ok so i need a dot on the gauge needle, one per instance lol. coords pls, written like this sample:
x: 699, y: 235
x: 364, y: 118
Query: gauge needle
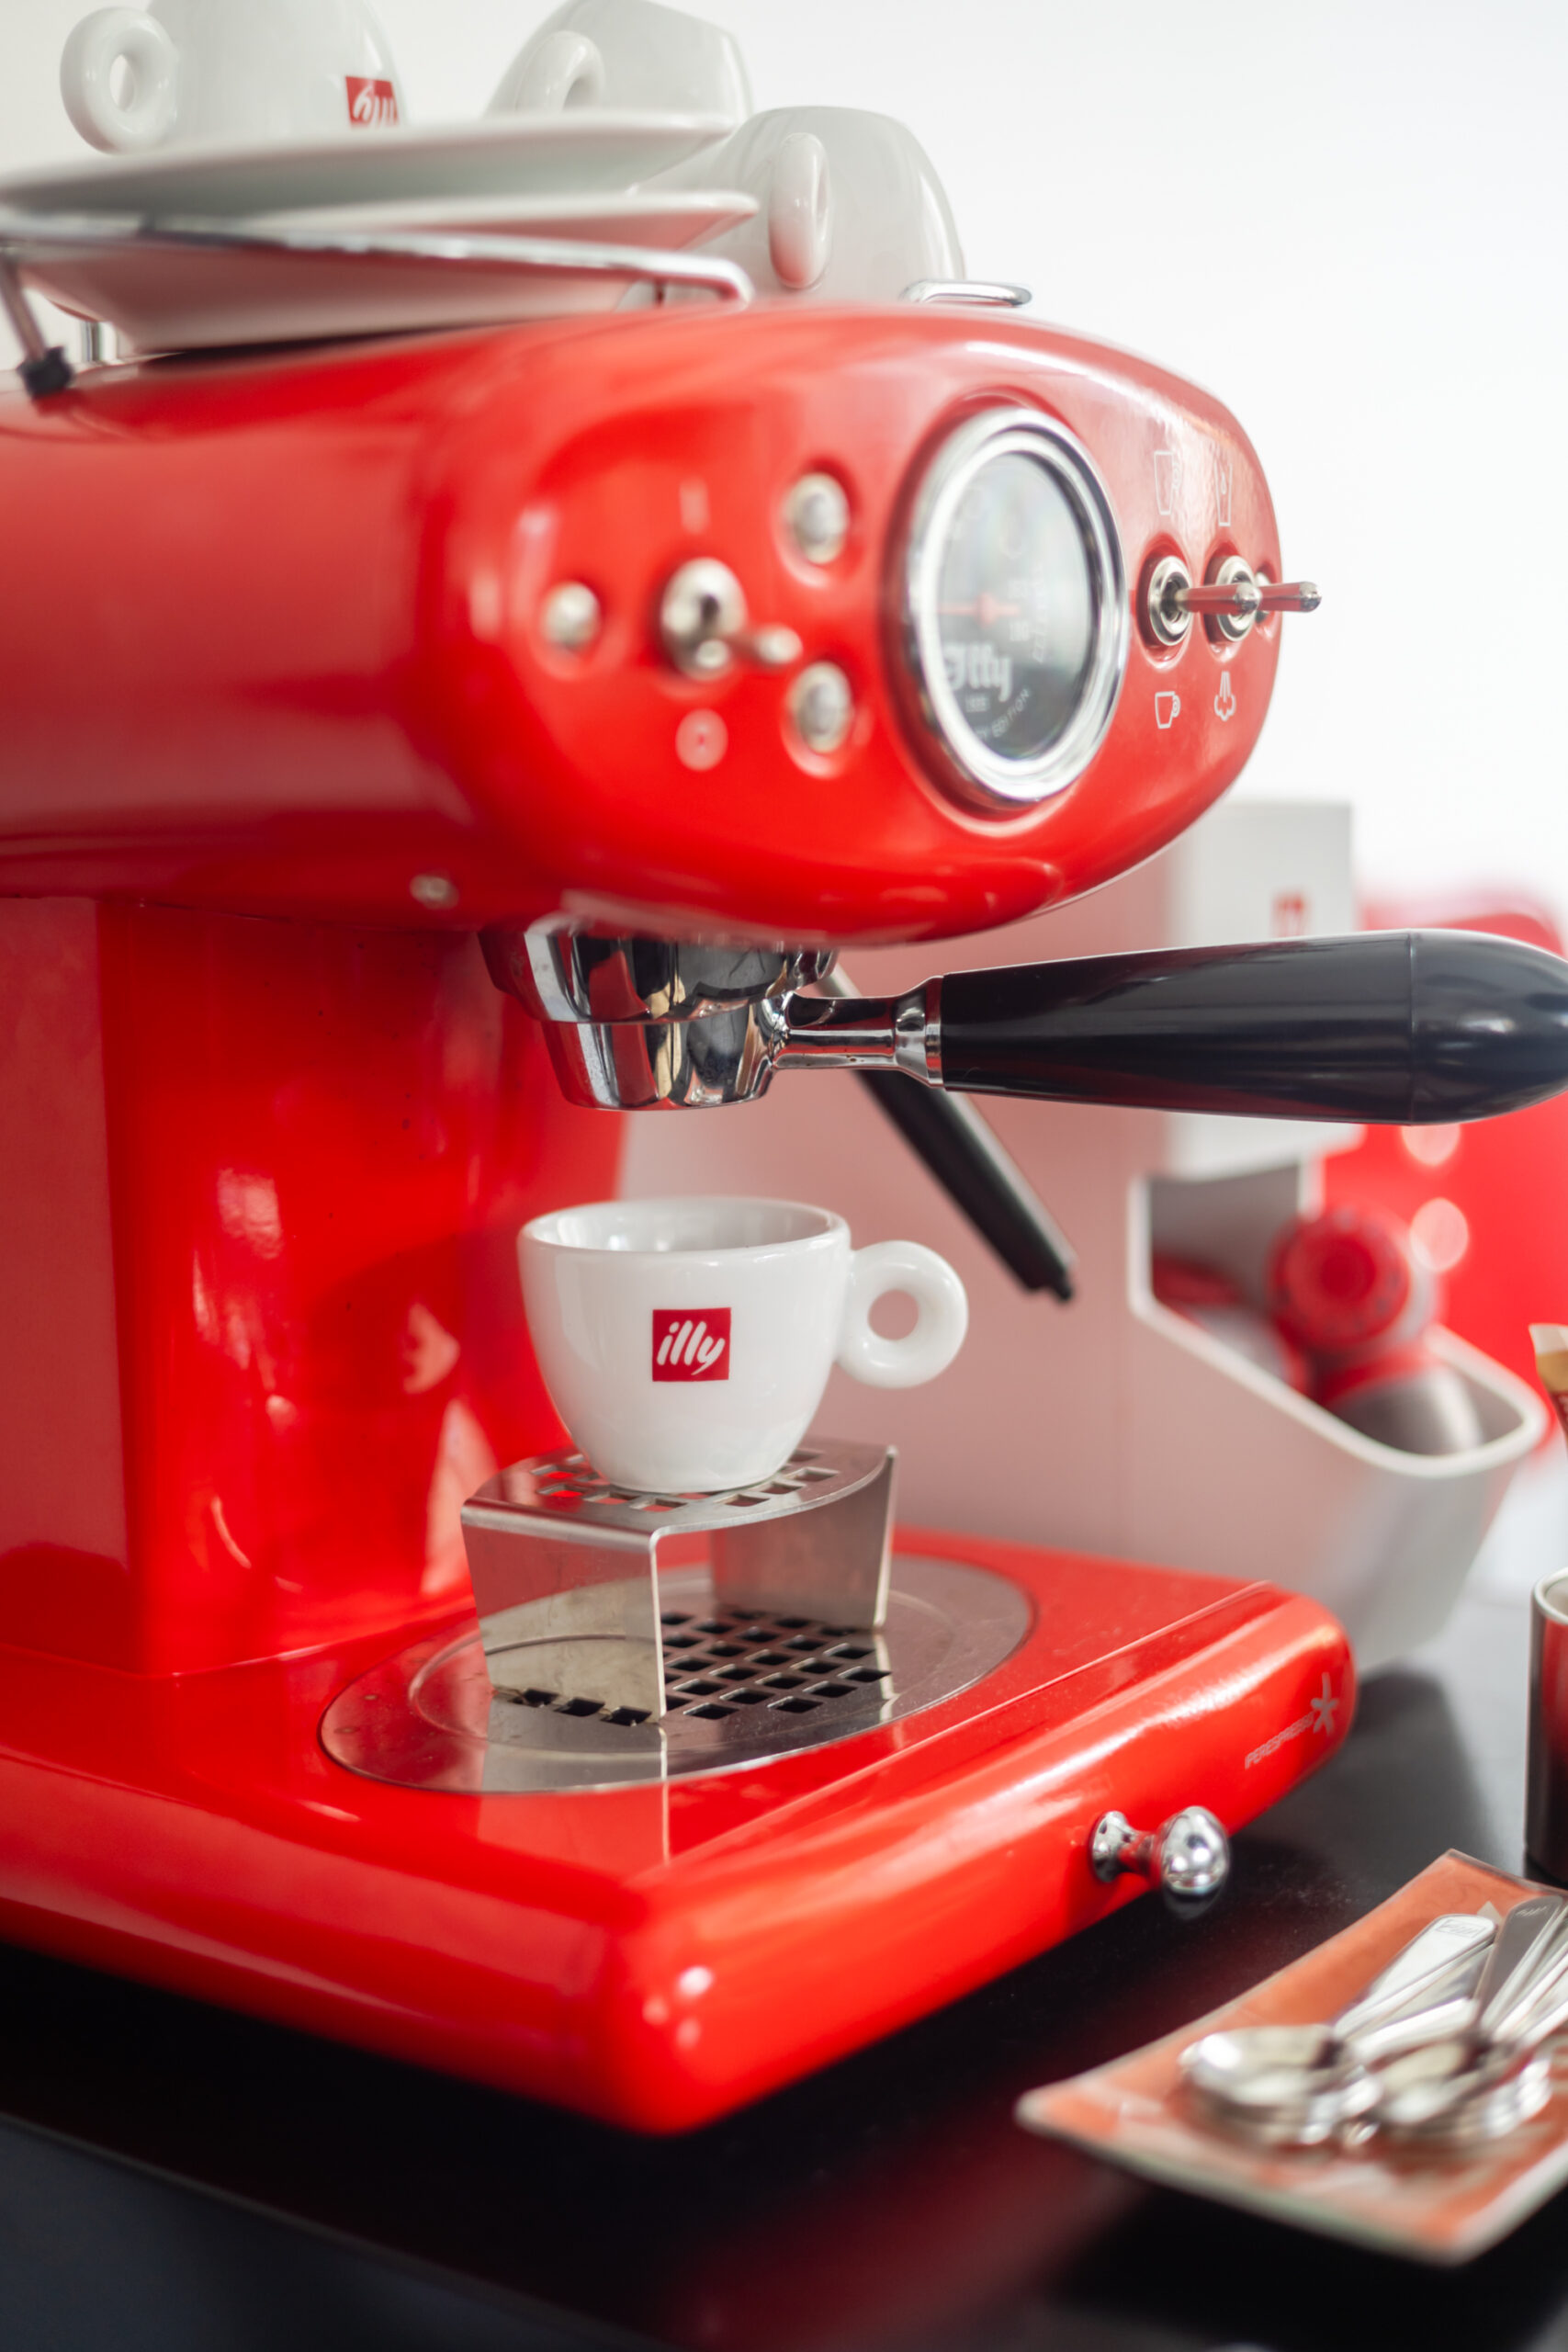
x: 986, y: 611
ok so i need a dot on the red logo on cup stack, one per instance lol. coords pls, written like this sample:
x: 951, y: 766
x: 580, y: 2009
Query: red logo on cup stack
x: 691, y: 1344
x: 370, y: 103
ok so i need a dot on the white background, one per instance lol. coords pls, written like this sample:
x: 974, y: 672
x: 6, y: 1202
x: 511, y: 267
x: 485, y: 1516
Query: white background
x: 1348, y: 221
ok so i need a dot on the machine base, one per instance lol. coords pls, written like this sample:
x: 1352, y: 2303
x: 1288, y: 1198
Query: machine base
x: 652, y: 1954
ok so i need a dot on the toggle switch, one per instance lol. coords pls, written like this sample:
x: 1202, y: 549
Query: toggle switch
x: 703, y: 624
x: 1188, y: 1857
x: 1233, y: 599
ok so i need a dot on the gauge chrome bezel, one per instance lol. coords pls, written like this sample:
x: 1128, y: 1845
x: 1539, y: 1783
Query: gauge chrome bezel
x: 988, y: 779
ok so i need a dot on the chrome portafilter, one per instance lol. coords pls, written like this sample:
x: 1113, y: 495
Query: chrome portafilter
x: 1397, y: 1027
x: 634, y: 1023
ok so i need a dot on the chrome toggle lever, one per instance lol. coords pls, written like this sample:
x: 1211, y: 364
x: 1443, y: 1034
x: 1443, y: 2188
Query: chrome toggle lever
x: 704, y: 624
x: 1188, y: 1857
x: 1233, y: 598
x: 1287, y: 596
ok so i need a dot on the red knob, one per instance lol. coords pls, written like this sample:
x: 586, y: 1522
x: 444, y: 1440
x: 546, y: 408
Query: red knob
x: 1346, y: 1280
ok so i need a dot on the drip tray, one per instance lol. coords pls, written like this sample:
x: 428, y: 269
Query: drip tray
x: 740, y: 1688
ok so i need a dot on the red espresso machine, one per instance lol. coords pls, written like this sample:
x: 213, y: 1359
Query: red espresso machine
x: 416, y: 754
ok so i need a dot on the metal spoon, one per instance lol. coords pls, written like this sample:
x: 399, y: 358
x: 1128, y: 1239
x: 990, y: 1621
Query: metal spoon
x: 1521, y: 2001
x: 1271, y: 2069
x: 1486, y: 2081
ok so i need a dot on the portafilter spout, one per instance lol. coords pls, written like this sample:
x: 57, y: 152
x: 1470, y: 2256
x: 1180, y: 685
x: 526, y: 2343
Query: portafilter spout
x: 1403, y: 1028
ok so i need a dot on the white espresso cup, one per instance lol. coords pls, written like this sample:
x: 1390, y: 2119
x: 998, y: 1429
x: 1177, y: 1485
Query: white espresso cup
x: 686, y: 1344
x: 228, y: 70
x: 629, y: 54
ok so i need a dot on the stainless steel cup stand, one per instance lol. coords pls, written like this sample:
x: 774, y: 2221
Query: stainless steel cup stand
x: 565, y: 1566
x: 625, y: 1637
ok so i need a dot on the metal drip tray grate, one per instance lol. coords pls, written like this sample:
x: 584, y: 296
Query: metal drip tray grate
x: 569, y: 1481
x: 740, y: 1687
x: 715, y: 1665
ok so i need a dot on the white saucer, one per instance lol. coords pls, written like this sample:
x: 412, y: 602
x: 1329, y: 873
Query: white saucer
x: 669, y: 219
x: 497, y: 155
x: 210, y: 296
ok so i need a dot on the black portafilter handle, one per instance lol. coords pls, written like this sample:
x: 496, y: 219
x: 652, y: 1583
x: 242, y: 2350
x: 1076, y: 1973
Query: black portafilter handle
x: 1403, y: 1028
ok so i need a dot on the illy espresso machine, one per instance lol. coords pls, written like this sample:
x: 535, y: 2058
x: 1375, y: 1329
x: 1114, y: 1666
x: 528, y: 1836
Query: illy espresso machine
x: 419, y: 754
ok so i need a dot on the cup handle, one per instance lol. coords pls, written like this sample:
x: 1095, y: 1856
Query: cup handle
x: 940, y: 1326
x: 146, y: 115
x: 547, y: 77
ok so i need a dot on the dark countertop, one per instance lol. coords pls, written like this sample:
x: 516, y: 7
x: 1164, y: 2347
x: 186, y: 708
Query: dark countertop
x: 173, y: 2175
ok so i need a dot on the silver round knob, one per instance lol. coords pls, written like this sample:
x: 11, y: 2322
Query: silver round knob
x: 1188, y: 1857
x: 1194, y: 1856
x: 571, y: 616
x: 1165, y: 602
x: 822, y: 705
x: 1234, y: 620
x: 817, y: 515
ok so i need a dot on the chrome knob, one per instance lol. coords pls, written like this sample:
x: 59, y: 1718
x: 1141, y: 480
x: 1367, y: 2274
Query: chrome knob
x: 822, y: 705
x: 817, y: 515
x: 1188, y: 1857
x: 1233, y: 598
x: 703, y: 623
x: 571, y: 616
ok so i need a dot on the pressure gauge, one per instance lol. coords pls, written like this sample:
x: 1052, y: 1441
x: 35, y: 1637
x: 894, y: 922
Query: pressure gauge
x: 1014, y: 608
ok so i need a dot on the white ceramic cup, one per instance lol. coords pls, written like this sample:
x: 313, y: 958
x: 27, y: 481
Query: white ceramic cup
x: 686, y: 1344
x: 244, y: 71
x: 850, y: 207
x: 629, y: 54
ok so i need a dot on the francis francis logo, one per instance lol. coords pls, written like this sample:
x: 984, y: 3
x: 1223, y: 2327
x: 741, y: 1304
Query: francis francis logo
x: 691, y: 1344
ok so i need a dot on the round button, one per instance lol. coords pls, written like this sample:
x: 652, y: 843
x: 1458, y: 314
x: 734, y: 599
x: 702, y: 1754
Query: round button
x: 816, y: 514
x: 822, y: 705
x: 701, y: 739
x: 572, y: 618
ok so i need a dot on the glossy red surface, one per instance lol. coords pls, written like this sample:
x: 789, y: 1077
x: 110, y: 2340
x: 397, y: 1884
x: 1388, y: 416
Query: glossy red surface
x: 270, y: 756
x: 305, y: 662
x: 657, y: 1954
x: 260, y: 1194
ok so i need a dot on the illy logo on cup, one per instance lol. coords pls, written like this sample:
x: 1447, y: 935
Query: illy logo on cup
x: 691, y: 1344
x: 369, y: 102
